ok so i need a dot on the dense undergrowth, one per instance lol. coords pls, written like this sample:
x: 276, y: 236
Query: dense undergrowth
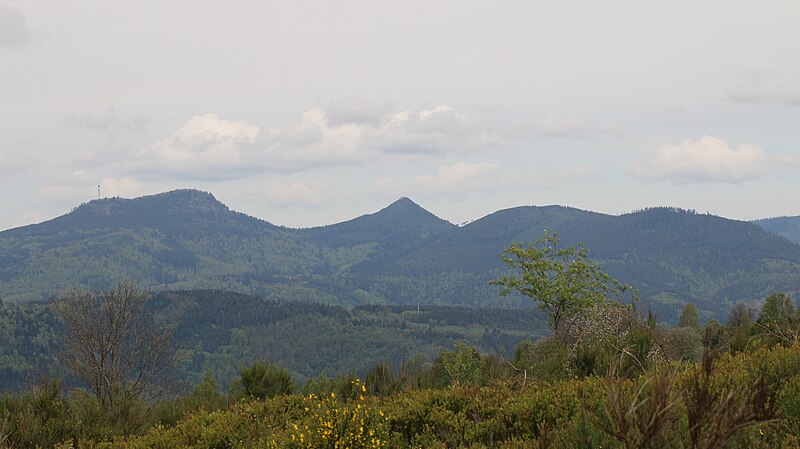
x: 613, y: 381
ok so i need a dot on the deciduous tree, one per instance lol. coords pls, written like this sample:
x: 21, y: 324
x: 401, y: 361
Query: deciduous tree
x: 564, y: 281
x: 111, y: 343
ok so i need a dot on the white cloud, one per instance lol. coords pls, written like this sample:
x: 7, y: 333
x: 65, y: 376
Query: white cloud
x: 766, y: 88
x: 81, y: 186
x: 14, y: 30
x: 454, y: 181
x: 210, y: 148
x: 556, y: 126
x: 708, y: 159
x: 204, y: 147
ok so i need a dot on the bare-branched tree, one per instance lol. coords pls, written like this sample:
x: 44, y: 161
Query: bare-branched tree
x: 111, y: 343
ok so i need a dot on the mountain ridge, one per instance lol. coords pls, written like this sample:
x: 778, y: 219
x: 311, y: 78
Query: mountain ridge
x: 401, y: 254
x: 785, y: 226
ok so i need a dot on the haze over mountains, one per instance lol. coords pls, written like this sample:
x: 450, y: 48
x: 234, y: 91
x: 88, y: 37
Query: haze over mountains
x: 401, y: 254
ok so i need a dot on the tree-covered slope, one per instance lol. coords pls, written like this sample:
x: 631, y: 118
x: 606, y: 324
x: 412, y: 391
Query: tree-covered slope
x: 788, y: 227
x: 218, y: 331
x: 672, y: 256
x: 179, y: 238
x: 401, y: 254
x: 400, y: 225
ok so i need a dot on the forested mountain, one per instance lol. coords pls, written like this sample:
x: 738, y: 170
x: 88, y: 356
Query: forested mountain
x: 788, y: 227
x: 400, y: 255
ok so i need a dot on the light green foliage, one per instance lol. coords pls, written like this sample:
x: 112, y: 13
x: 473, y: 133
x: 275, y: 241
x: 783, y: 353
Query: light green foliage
x: 207, y: 389
x: 689, y: 316
x: 778, y: 322
x: 545, y: 359
x: 265, y: 380
x: 777, y: 309
x: 330, y: 423
x: 743, y: 401
x: 563, y: 281
x: 461, y: 366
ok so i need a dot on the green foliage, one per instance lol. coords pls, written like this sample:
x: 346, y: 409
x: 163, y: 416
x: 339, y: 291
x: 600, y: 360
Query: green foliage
x: 462, y: 366
x: 563, y: 281
x: 35, y: 418
x: 207, y: 390
x: 330, y: 423
x: 400, y: 255
x: 265, y: 380
x: 684, y: 343
x: 788, y: 227
x: 545, y: 359
x: 381, y: 381
x: 747, y: 400
x: 778, y: 308
x: 689, y: 316
x: 215, y: 330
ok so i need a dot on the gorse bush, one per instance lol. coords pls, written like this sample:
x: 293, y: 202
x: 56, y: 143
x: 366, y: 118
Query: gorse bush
x: 331, y: 424
x: 610, y: 379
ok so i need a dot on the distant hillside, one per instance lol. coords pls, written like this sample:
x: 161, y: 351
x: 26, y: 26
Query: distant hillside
x: 217, y: 331
x: 788, y: 227
x: 401, y: 225
x: 183, y: 238
x: 401, y: 254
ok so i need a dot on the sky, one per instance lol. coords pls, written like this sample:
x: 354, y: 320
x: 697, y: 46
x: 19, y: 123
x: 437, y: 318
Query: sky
x: 306, y: 113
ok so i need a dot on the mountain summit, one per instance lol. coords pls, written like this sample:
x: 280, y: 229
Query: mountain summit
x: 398, y: 224
x: 401, y: 254
x: 175, y: 201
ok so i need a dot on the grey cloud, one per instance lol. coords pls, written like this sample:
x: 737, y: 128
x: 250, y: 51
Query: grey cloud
x: 556, y: 126
x: 359, y: 111
x: 766, y: 88
x: 14, y: 31
x: 210, y: 148
x: 452, y: 181
x: 12, y: 161
x: 110, y: 119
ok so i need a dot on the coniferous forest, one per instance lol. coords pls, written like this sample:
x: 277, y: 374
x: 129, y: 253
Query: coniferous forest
x: 584, y: 366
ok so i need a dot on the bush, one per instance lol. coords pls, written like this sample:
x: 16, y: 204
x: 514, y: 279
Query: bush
x: 265, y: 380
x: 545, y: 360
x: 685, y: 344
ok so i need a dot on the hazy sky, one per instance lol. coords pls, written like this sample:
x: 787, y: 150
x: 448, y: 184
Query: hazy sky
x: 307, y: 113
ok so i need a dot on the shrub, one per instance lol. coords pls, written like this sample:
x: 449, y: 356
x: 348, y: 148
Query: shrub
x: 265, y: 380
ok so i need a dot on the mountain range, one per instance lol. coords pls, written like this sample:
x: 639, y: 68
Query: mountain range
x: 401, y: 254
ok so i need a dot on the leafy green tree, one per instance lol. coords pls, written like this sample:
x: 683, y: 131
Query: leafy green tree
x: 689, y: 316
x: 207, y: 390
x: 564, y: 281
x: 777, y: 308
x: 778, y: 319
x: 265, y: 380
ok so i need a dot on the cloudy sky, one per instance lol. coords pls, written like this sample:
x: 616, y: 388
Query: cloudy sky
x: 306, y: 113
